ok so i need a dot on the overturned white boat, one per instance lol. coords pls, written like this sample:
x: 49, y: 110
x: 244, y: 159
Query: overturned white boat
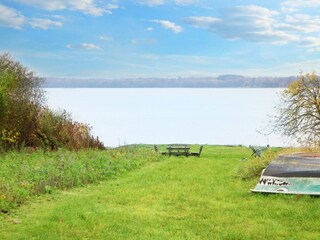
x: 297, y: 173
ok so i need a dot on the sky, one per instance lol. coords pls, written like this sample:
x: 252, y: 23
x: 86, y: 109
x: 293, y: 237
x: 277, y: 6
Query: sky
x: 162, y: 38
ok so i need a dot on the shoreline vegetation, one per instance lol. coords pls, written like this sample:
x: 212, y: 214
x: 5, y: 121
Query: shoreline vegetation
x: 25, y: 119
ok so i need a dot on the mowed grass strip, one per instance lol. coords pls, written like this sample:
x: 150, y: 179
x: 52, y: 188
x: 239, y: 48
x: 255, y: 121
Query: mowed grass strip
x: 177, y: 198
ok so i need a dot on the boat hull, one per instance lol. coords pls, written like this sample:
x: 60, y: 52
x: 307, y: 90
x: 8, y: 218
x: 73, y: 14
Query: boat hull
x: 291, y: 174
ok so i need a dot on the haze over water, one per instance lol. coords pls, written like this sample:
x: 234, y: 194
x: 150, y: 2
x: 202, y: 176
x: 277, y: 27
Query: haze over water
x: 154, y: 116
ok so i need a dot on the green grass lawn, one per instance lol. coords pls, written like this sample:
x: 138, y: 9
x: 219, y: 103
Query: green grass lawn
x: 174, y: 198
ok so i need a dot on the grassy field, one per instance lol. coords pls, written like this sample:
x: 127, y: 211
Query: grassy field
x: 173, y: 198
x: 24, y: 175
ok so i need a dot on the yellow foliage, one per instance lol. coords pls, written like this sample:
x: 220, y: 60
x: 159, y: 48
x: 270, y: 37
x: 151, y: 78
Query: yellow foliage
x: 294, y: 88
x: 10, y: 136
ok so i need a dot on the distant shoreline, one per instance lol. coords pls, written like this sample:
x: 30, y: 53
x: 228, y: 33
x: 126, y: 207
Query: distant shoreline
x: 223, y: 81
x: 163, y: 87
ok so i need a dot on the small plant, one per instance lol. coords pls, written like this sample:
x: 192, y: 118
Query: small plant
x: 48, y: 189
x: 252, y: 167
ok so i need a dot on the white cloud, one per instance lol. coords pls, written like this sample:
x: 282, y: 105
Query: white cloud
x: 314, y: 50
x: 301, y: 4
x: 288, y: 9
x: 84, y: 46
x: 149, y: 29
x: 251, y: 23
x: 9, y: 17
x: 202, y: 22
x: 185, y: 2
x: 273, y: 37
x: 305, y: 26
x: 169, y: 25
x: 152, y: 3
x: 111, y: 6
x: 304, y: 23
x: 44, y: 24
x: 257, y: 24
x: 105, y: 38
x: 310, y: 42
x: 59, y: 17
x: 49, y: 5
x: 89, y: 7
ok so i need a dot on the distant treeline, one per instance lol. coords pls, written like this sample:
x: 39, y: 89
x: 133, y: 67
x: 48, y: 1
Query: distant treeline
x: 222, y: 81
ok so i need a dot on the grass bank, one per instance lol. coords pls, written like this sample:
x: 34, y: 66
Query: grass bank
x: 23, y: 175
x: 176, y: 198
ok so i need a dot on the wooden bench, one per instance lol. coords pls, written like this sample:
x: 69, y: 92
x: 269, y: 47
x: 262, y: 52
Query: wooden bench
x: 197, y: 154
x: 178, y: 150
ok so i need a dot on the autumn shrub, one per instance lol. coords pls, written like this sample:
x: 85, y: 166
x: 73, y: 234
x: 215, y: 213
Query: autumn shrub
x: 25, y: 121
x: 57, y: 129
x: 20, y: 99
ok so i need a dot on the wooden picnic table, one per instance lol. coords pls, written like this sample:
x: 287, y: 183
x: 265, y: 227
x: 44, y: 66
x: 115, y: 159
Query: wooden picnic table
x: 178, y: 150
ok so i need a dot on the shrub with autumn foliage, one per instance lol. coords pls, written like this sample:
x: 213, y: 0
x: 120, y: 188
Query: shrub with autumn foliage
x: 25, y: 121
x: 57, y: 129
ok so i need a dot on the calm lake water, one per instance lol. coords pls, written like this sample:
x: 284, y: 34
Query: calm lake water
x: 154, y: 116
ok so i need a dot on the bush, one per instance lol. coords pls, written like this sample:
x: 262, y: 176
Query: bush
x: 26, y: 122
x: 253, y: 167
x: 57, y: 129
x: 20, y: 99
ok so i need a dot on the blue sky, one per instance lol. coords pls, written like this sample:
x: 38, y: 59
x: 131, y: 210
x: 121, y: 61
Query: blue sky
x: 162, y: 38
